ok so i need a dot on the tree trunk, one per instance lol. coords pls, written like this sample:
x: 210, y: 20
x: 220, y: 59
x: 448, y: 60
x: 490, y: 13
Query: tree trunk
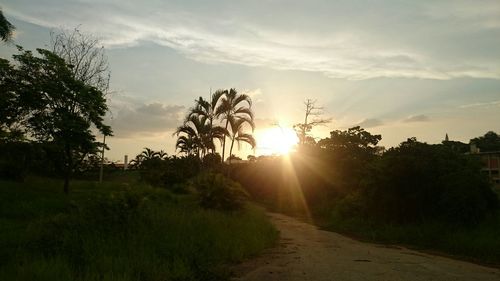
x: 69, y: 165
x: 231, y: 150
x: 224, y: 141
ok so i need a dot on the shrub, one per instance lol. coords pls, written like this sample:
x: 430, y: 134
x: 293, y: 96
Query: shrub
x: 218, y: 192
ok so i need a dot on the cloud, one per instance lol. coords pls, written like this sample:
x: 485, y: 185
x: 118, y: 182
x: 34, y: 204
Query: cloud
x: 370, y: 123
x: 481, y: 104
x: 145, y: 119
x: 416, y: 118
x: 437, y: 40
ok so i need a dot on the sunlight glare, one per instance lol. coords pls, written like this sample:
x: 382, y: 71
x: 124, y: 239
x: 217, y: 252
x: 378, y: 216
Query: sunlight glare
x: 276, y: 140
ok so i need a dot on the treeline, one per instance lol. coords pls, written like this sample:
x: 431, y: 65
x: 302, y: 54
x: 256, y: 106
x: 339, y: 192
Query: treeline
x: 349, y: 175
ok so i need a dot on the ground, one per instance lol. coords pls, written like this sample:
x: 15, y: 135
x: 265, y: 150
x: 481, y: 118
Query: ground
x: 307, y: 253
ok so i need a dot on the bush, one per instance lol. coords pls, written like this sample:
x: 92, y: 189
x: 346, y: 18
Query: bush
x: 171, y: 172
x: 218, y: 192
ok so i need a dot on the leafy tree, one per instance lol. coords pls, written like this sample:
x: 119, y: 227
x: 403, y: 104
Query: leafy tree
x: 11, y: 113
x: 355, y: 139
x: 63, y: 110
x: 350, y: 152
x: 6, y: 28
x: 415, y: 182
x: 489, y: 142
x: 233, y: 106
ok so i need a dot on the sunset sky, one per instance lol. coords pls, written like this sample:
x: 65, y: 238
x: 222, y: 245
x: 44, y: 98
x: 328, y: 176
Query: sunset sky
x: 397, y: 68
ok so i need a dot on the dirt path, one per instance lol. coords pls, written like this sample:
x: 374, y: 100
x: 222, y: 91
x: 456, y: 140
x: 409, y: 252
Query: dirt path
x: 306, y: 253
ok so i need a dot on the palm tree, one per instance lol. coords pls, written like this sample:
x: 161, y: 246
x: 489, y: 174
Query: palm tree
x: 148, y: 154
x: 186, y: 144
x: 236, y: 134
x: 198, y: 134
x: 162, y: 155
x: 6, y: 28
x: 207, y: 109
x: 232, y: 106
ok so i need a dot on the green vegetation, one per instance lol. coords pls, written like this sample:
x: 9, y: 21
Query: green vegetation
x: 427, y: 196
x: 479, y: 243
x: 119, y: 231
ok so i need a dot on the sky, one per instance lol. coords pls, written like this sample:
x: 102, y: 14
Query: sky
x: 397, y: 68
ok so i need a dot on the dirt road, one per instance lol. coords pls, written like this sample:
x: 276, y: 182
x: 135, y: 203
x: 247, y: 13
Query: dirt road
x: 306, y: 253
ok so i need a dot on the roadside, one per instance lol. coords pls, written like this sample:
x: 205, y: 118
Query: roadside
x: 307, y: 253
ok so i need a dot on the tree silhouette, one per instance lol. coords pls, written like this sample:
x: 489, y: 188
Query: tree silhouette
x: 207, y: 109
x: 199, y: 134
x: 489, y: 142
x: 232, y: 106
x: 86, y: 55
x: 62, y: 110
x: 236, y: 124
x: 303, y: 129
x: 6, y: 28
x: 148, y: 154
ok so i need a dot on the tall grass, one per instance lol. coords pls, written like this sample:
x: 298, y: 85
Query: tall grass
x: 479, y: 243
x: 115, y: 232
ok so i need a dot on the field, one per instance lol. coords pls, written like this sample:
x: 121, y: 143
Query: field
x: 120, y: 231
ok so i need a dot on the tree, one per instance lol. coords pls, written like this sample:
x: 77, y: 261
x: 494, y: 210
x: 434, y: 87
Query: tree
x: 417, y: 182
x: 489, y: 142
x: 148, y: 154
x: 198, y: 134
x: 232, y: 105
x: 350, y: 152
x: 85, y: 54
x: 62, y: 109
x: 303, y: 129
x: 6, y: 28
x: 236, y: 133
x: 207, y: 109
x: 11, y: 113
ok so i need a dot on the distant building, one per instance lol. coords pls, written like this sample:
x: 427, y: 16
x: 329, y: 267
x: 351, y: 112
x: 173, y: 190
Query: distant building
x: 491, y: 163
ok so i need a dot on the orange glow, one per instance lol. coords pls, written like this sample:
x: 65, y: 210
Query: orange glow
x: 277, y: 140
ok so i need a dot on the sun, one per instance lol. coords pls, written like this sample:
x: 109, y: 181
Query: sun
x: 277, y: 140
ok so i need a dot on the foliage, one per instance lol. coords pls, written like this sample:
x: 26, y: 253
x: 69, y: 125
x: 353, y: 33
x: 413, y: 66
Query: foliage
x: 233, y: 107
x: 415, y: 182
x: 489, y: 142
x: 57, y: 108
x: 11, y: 114
x: 6, y: 28
x: 218, y: 192
x: 212, y: 160
x: 236, y: 133
x: 158, y: 169
x: 109, y: 232
x: 351, y: 150
x: 197, y: 135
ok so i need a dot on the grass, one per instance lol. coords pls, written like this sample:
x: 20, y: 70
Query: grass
x: 479, y: 243
x: 120, y: 231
